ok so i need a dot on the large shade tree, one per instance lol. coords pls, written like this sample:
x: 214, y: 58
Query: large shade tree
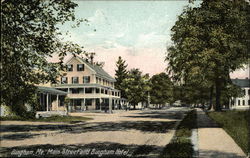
x: 137, y: 87
x: 161, y: 89
x: 209, y: 42
x: 120, y: 75
x: 30, y: 35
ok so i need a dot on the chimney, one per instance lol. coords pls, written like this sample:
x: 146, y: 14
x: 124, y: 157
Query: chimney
x: 92, y: 58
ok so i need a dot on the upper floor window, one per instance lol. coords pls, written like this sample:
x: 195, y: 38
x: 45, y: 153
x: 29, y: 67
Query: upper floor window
x: 75, y: 80
x: 243, y: 102
x: 86, y: 79
x: 238, y: 102
x: 69, y: 67
x: 64, y: 80
x: 75, y: 90
x: 80, y: 67
x: 249, y: 92
x: 88, y: 90
x: 97, y: 90
x: 244, y: 92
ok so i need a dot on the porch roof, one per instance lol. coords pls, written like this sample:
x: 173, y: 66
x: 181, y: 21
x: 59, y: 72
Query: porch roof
x: 83, y: 85
x: 51, y: 90
x: 241, y: 82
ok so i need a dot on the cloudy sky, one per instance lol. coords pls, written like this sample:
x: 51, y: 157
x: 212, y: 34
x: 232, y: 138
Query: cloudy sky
x: 138, y: 31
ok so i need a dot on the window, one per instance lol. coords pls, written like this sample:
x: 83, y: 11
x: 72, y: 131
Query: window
x: 106, y: 91
x: 232, y: 101
x: 113, y: 93
x: 97, y: 90
x: 86, y: 79
x: 74, y: 80
x: 248, y: 102
x: 88, y: 90
x: 80, y: 67
x: 61, y: 101
x: 249, y: 92
x: 238, y: 102
x: 69, y: 67
x: 102, y: 91
x: 244, y: 92
x: 64, y: 80
x: 96, y: 79
x: 243, y: 102
x: 75, y: 90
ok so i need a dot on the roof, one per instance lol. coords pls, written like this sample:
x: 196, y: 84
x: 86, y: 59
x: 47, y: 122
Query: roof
x: 99, y: 71
x: 51, y: 90
x: 241, y: 82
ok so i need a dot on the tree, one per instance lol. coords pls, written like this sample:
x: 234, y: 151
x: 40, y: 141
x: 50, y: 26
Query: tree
x: 210, y: 41
x: 136, y: 86
x: 120, y: 75
x: 161, y: 89
x: 30, y: 35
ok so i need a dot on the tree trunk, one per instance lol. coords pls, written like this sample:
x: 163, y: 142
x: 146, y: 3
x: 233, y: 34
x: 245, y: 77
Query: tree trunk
x: 227, y: 104
x: 134, y: 106
x: 218, y: 95
x: 211, y: 98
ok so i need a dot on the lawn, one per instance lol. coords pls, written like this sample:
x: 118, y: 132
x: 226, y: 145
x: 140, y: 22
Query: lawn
x: 71, y: 119
x: 236, y: 124
x: 181, y: 145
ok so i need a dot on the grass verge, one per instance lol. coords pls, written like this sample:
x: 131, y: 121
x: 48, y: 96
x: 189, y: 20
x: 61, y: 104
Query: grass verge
x: 47, y: 119
x: 181, y: 145
x: 236, y: 124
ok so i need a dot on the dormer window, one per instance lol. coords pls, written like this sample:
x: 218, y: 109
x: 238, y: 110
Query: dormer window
x: 80, y: 67
x: 69, y: 67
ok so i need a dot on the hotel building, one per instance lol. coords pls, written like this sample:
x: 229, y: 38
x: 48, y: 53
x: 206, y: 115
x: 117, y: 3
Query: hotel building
x: 88, y: 86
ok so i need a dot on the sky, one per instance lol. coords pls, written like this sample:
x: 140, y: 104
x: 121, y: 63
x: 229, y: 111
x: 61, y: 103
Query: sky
x: 138, y: 31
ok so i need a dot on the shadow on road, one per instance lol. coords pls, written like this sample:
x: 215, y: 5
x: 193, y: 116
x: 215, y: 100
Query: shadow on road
x: 143, y: 126
x: 83, y: 127
x: 159, y: 115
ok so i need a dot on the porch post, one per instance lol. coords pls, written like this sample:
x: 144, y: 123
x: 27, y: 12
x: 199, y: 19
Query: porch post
x: 110, y: 102
x: 47, y: 101
x: 40, y: 107
x: 82, y: 104
x: 57, y: 101
x: 100, y: 101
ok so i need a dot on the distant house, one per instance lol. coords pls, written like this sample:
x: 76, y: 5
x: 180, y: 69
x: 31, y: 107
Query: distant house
x: 88, y: 86
x: 241, y: 102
